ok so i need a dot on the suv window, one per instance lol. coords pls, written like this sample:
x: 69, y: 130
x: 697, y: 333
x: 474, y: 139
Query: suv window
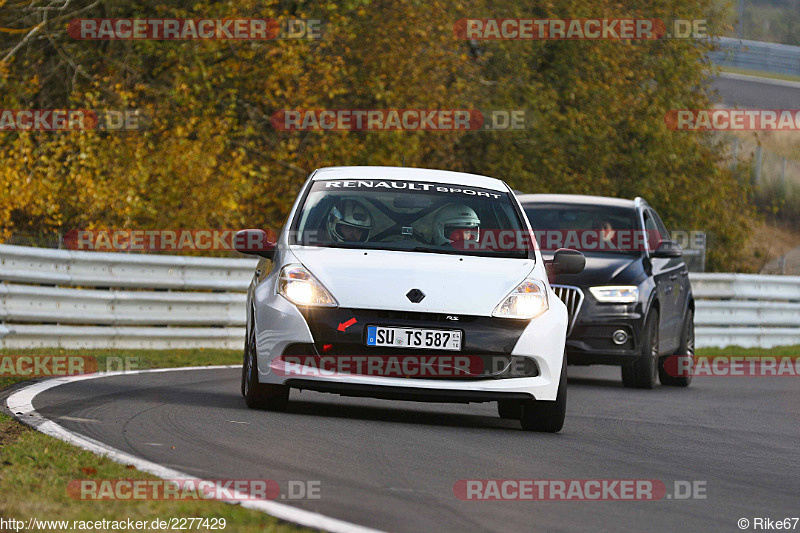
x: 649, y: 223
x: 585, y: 227
x: 659, y: 225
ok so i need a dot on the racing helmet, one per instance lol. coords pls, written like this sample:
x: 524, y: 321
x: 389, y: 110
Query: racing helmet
x: 349, y: 221
x: 455, y: 222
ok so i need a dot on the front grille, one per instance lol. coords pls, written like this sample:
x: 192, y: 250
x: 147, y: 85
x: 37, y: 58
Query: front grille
x: 573, y: 299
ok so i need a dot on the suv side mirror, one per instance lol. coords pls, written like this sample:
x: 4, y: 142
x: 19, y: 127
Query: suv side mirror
x: 254, y: 242
x: 668, y: 249
x: 566, y: 261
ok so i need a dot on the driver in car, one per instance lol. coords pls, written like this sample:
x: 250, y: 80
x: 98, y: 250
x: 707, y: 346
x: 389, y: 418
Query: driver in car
x: 606, y: 231
x: 456, y: 225
x: 349, y: 221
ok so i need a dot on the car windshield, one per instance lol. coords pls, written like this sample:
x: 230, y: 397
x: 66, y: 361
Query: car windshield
x: 406, y: 216
x: 588, y: 228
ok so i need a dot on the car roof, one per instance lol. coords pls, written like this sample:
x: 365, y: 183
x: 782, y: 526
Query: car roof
x: 528, y: 199
x: 408, y: 174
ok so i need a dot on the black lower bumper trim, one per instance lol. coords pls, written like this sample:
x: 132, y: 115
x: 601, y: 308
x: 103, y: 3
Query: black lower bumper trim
x: 482, y: 335
x: 578, y: 356
x: 412, y: 394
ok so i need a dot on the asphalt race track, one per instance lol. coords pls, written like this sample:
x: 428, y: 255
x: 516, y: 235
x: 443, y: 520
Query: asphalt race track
x: 393, y: 465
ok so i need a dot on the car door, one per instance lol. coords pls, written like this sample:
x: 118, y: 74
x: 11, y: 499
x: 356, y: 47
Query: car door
x: 658, y: 272
x: 672, y: 293
x: 679, y: 280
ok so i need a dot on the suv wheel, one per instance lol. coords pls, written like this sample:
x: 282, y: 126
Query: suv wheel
x: 260, y: 395
x: 686, y: 350
x: 642, y: 373
x: 543, y: 415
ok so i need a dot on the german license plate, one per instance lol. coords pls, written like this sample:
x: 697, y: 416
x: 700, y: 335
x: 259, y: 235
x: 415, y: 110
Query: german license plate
x: 436, y: 339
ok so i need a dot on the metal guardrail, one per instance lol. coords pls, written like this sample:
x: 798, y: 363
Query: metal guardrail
x: 746, y: 310
x: 757, y: 55
x: 17, y: 336
x: 164, y: 302
x: 97, y: 269
x: 744, y: 314
x: 746, y: 287
x: 84, y: 300
x: 28, y: 303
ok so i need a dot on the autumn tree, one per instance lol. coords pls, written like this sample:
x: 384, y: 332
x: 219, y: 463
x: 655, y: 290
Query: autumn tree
x: 210, y: 157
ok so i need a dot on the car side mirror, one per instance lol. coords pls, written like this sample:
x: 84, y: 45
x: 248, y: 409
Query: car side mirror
x: 254, y: 242
x: 668, y: 249
x: 566, y: 261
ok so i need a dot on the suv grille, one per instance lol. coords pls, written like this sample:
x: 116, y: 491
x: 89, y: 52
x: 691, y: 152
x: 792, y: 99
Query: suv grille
x: 572, y: 298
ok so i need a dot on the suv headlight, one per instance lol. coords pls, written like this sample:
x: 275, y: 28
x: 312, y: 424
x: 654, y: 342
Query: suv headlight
x: 623, y: 294
x: 300, y: 287
x: 528, y: 300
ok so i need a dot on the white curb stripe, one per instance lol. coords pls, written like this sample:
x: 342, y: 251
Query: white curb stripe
x: 21, y: 405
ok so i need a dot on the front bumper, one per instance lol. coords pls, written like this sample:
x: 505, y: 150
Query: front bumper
x: 408, y: 394
x: 591, y: 340
x: 281, y: 328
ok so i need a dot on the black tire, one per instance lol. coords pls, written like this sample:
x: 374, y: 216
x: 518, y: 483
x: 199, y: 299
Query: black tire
x: 509, y: 409
x: 686, y: 350
x: 642, y: 373
x: 260, y: 395
x: 547, y: 416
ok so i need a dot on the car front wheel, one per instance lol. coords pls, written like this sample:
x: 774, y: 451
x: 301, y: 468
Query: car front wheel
x: 686, y: 350
x: 547, y: 416
x: 260, y: 395
x: 642, y: 373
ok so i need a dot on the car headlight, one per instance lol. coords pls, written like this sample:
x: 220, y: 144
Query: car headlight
x: 528, y: 300
x: 300, y: 287
x: 623, y: 294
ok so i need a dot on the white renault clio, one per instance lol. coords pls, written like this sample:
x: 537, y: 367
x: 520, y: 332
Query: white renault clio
x: 388, y: 282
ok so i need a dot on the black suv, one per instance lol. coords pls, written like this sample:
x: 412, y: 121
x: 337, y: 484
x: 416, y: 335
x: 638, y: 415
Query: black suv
x: 632, y: 305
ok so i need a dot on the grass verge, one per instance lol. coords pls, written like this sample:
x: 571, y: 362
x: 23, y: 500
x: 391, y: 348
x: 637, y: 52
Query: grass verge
x: 35, y: 468
x: 136, y: 359
x: 738, y: 351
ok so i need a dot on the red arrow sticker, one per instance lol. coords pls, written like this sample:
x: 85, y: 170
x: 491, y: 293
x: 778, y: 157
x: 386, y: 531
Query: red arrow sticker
x: 344, y: 325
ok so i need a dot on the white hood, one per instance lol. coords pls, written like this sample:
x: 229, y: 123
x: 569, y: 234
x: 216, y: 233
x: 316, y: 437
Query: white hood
x: 466, y: 285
